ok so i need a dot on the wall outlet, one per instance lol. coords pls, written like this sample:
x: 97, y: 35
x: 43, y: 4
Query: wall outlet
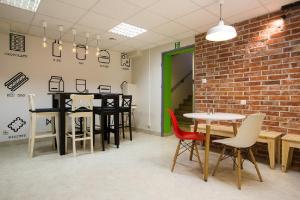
x: 243, y: 102
x: 204, y: 81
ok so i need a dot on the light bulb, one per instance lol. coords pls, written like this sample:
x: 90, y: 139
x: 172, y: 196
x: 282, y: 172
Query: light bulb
x: 60, y: 47
x: 97, y: 53
x: 86, y: 52
x: 74, y: 48
x: 44, y: 44
x: 60, y: 42
x: 44, y: 39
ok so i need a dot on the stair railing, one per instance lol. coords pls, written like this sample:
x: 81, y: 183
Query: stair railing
x: 181, y: 81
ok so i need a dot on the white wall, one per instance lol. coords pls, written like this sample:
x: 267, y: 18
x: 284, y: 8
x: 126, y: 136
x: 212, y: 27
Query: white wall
x: 146, y: 74
x: 39, y: 66
x: 182, y: 64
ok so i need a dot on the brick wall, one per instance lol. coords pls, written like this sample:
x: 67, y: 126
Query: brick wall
x: 261, y: 65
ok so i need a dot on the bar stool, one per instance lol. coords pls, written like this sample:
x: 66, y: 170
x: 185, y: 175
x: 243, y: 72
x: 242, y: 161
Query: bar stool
x: 82, y: 107
x: 52, y: 113
x: 109, y: 107
x: 126, y: 109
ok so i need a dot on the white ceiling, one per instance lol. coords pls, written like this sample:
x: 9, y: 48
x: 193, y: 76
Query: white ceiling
x: 165, y: 20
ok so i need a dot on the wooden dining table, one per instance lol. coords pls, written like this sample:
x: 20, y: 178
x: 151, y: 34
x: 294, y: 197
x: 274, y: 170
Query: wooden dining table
x: 60, y: 100
x: 210, y: 117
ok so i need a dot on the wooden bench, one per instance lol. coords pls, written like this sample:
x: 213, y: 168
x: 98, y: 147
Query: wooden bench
x: 271, y: 138
x: 289, y: 142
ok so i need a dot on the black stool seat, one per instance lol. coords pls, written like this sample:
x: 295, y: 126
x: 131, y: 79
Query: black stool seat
x: 40, y: 110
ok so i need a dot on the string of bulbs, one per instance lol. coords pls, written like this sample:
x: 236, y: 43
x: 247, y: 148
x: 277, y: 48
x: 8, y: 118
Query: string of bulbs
x: 74, y: 44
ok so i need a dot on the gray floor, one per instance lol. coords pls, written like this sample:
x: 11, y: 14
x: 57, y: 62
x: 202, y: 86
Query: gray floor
x: 137, y: 170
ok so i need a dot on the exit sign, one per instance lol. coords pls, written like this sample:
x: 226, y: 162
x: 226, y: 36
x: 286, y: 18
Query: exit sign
x: 177, y: 45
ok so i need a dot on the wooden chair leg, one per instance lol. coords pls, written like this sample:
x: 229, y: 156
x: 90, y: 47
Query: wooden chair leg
x: 33, y: 132
x: 238, y: 171
x: 84, y: 124
x: 176, y: 155
x: 195, y: 146
x: 92, y: 134
x: 73, y: 136
x: 30, y: 136
x: 130, y: 127
x: 53, y: 131
x: 57, y: 133
x: 219, y: 160
x: 255, y: 164
x: 192, y: 150
x: 123, y: 125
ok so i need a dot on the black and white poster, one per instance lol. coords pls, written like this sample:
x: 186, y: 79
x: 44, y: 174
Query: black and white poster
x: 16, y: 42
x: 56, y: 84
x: 104, y: 58
x: 16, y: 81
x: 125, y: 61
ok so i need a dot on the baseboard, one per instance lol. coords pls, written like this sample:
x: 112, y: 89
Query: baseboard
x: 10, y: 142
x: 21, y: 141
x: 149, y: 131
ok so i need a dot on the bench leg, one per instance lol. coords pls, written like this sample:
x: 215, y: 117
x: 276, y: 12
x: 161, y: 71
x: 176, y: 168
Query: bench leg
x: 278, y: 150
x: 290, y: 156
x: 285, y: 155
x: 271, y: 150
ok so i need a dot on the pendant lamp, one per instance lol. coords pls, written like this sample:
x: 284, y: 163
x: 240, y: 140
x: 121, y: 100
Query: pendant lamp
x: 221, y: 32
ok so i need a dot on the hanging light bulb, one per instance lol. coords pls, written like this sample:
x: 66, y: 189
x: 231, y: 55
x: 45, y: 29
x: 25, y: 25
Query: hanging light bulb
x: 221, y: 32
x: 87, y: 35
x: 60, y: 28
x: 74, y: 40
x: 98, y: 49
x: 44, y: 34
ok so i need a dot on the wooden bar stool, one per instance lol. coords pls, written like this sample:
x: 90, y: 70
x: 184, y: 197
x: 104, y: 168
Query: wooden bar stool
x: 82, y: 107
x: 45, y: 113
x: 289, y: 142
x: 126, y: 110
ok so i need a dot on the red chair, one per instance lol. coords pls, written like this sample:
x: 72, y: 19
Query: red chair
x: 184, y: 136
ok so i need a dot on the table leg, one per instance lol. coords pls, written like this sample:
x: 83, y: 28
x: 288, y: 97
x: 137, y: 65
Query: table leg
x: 62, y: 125
x: 195, y: 130
x: 207, y: 144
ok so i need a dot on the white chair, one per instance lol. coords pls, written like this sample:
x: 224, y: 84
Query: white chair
x: 245, y: 139
x: 45, y: 113
x: 82, y: 107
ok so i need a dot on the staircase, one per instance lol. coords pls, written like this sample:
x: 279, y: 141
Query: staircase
x: 185, y: 107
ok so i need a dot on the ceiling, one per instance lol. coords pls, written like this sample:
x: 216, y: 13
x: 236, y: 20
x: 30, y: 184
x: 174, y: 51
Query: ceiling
x: 165, y: 20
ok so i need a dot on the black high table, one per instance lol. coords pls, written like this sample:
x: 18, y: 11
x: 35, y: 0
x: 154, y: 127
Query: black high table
x: 59, y: 101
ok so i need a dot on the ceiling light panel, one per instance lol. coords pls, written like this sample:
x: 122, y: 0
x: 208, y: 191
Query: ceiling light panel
x: 127, y: 30
x: 30, y: 5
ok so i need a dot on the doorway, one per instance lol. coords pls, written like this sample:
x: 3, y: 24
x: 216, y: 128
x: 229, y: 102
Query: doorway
x: 167, y: 84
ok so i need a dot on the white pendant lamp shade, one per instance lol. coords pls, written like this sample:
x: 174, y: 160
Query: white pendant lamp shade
x: 221, y: 32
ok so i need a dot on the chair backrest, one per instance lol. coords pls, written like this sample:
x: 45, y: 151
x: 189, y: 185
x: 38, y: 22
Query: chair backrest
x: 250, y: 129
x: 31, y: 98
x: 82, y: 101
x: 177, y: 131
x: 110, y: 101
x: 126, y: 101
